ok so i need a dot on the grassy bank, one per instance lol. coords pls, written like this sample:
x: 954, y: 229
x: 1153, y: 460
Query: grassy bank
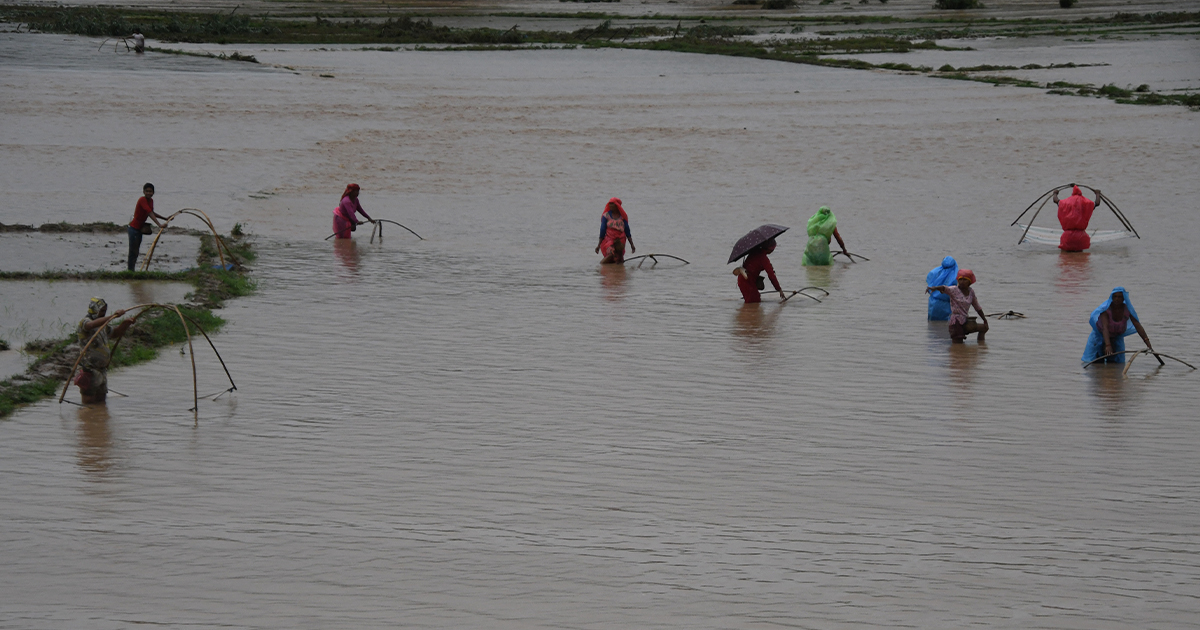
x: 153, y: 331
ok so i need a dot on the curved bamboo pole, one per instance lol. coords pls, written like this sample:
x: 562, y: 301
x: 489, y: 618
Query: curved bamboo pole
x: 1048, y: 192
x: 851, y: 256
x: 380, y: 222
x: 87, y: 345
x: 653, y: 257
x: 183, y: 319
x: 1156, y: 354
x: 222, y: 248
x: 1133, y: 357
x: 1035, y: 216
x: 233, y: 386
x: 797, y: 292
x: 1103, y: 198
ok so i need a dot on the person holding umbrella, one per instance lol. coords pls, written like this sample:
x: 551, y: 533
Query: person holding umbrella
x: 614, y: 231
x: 755, y: 246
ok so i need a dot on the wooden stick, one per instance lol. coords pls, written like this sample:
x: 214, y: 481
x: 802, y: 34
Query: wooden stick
x: 214, y: 349
x: 400, y: 224
x: 192, y: 352
x: 1159, y: 354
x: 220, y: 244
x: 851, y: 256
x: 1132, y: 358
x: 1048, y: 192
x: 1035, y: 215
x: 1099, y: 359
x: 656, y: 260
x: 1121, y: 215
x: 793, y: 294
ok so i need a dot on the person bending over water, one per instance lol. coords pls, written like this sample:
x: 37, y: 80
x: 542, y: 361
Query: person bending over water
x: 344, y: 221
x: 1111, y: 322
x: 749, y: 274
x: 614, y: 231
x: 962, y: 298
x: 93, y: 366
x: 137, y: 227
x: 1074, y: 213
x: 821, y: 226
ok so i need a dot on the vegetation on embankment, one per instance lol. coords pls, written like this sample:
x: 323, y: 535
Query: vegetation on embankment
x: 154, y: 330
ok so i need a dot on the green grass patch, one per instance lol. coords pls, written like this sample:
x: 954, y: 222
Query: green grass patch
x: 13, y: 395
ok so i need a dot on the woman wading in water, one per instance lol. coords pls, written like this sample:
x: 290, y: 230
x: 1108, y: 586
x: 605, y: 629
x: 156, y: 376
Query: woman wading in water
x: 1111, y: 322
x: 93, y: 367
x: 344, y: 221
x: 822, y: 227
x: 962, y: 298
x: 750, y: 280
x: 614, y: 231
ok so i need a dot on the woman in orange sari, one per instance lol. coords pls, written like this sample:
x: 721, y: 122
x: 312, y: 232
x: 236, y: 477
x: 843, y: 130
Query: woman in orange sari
x: 614, y: 231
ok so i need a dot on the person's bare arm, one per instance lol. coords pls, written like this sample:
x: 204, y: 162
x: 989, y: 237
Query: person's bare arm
x: 1141, y: 331
x: 102, y: 321
x: 978, y: 310
x: 1102, y: 323
x: 838, y: 236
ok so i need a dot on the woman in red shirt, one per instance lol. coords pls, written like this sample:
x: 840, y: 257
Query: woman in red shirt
x: 749, y: 280
x: 137, y: 227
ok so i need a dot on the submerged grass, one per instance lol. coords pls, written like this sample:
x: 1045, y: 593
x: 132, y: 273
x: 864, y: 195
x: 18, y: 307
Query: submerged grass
x: 154, y: 330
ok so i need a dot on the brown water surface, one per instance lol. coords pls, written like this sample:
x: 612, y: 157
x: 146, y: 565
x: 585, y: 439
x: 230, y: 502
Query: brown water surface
x: 487, y: 430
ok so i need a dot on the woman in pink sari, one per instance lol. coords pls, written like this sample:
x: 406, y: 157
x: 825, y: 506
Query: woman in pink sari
x: 344, y: 221
x: 614, y: 231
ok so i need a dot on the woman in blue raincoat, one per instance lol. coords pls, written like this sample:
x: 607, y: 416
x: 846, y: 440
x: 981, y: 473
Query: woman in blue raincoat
x: 945, y: 275
x: 1111, y: 322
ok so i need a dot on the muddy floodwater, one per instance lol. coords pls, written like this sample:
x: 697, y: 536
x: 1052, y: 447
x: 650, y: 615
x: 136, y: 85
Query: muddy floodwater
x: 486, y: 429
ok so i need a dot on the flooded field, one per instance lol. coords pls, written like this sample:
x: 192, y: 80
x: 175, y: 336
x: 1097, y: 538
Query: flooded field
x: 486, y: 429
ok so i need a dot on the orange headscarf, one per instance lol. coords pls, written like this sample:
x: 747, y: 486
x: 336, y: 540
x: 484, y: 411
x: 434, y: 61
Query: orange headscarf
x: 349, y: 189
x: 616, y: 202
x: 968, y: 274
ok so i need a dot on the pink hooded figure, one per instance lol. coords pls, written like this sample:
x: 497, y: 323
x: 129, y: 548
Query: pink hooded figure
x: 344, y: 220
x: 1074, y: 212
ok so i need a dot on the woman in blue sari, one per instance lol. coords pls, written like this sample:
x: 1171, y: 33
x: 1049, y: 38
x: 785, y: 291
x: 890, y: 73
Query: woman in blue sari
x: 1111, y: 322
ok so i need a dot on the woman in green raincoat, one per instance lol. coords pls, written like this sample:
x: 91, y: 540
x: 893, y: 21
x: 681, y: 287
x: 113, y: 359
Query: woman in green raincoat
x: 821, y: 227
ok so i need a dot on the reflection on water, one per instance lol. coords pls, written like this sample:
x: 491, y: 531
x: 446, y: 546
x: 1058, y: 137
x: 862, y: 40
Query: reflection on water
x: 817, y: 276
x: 754, y: 324
x: 1116, y: 395
x: 612, y: 279
x: 964, y: 370
x: 348, y: 254
x: 1074, y: 272
x: 94, y: 453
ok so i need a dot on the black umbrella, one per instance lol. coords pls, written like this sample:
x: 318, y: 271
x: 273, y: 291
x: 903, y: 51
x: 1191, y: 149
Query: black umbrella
x: 756, y: 237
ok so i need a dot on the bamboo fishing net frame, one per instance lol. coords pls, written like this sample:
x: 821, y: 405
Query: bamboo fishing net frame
x: 222, y: 248
x: 1135, y: 353
x: 654, y: 257
x: 1049, y: 194
x: 183, y: 320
